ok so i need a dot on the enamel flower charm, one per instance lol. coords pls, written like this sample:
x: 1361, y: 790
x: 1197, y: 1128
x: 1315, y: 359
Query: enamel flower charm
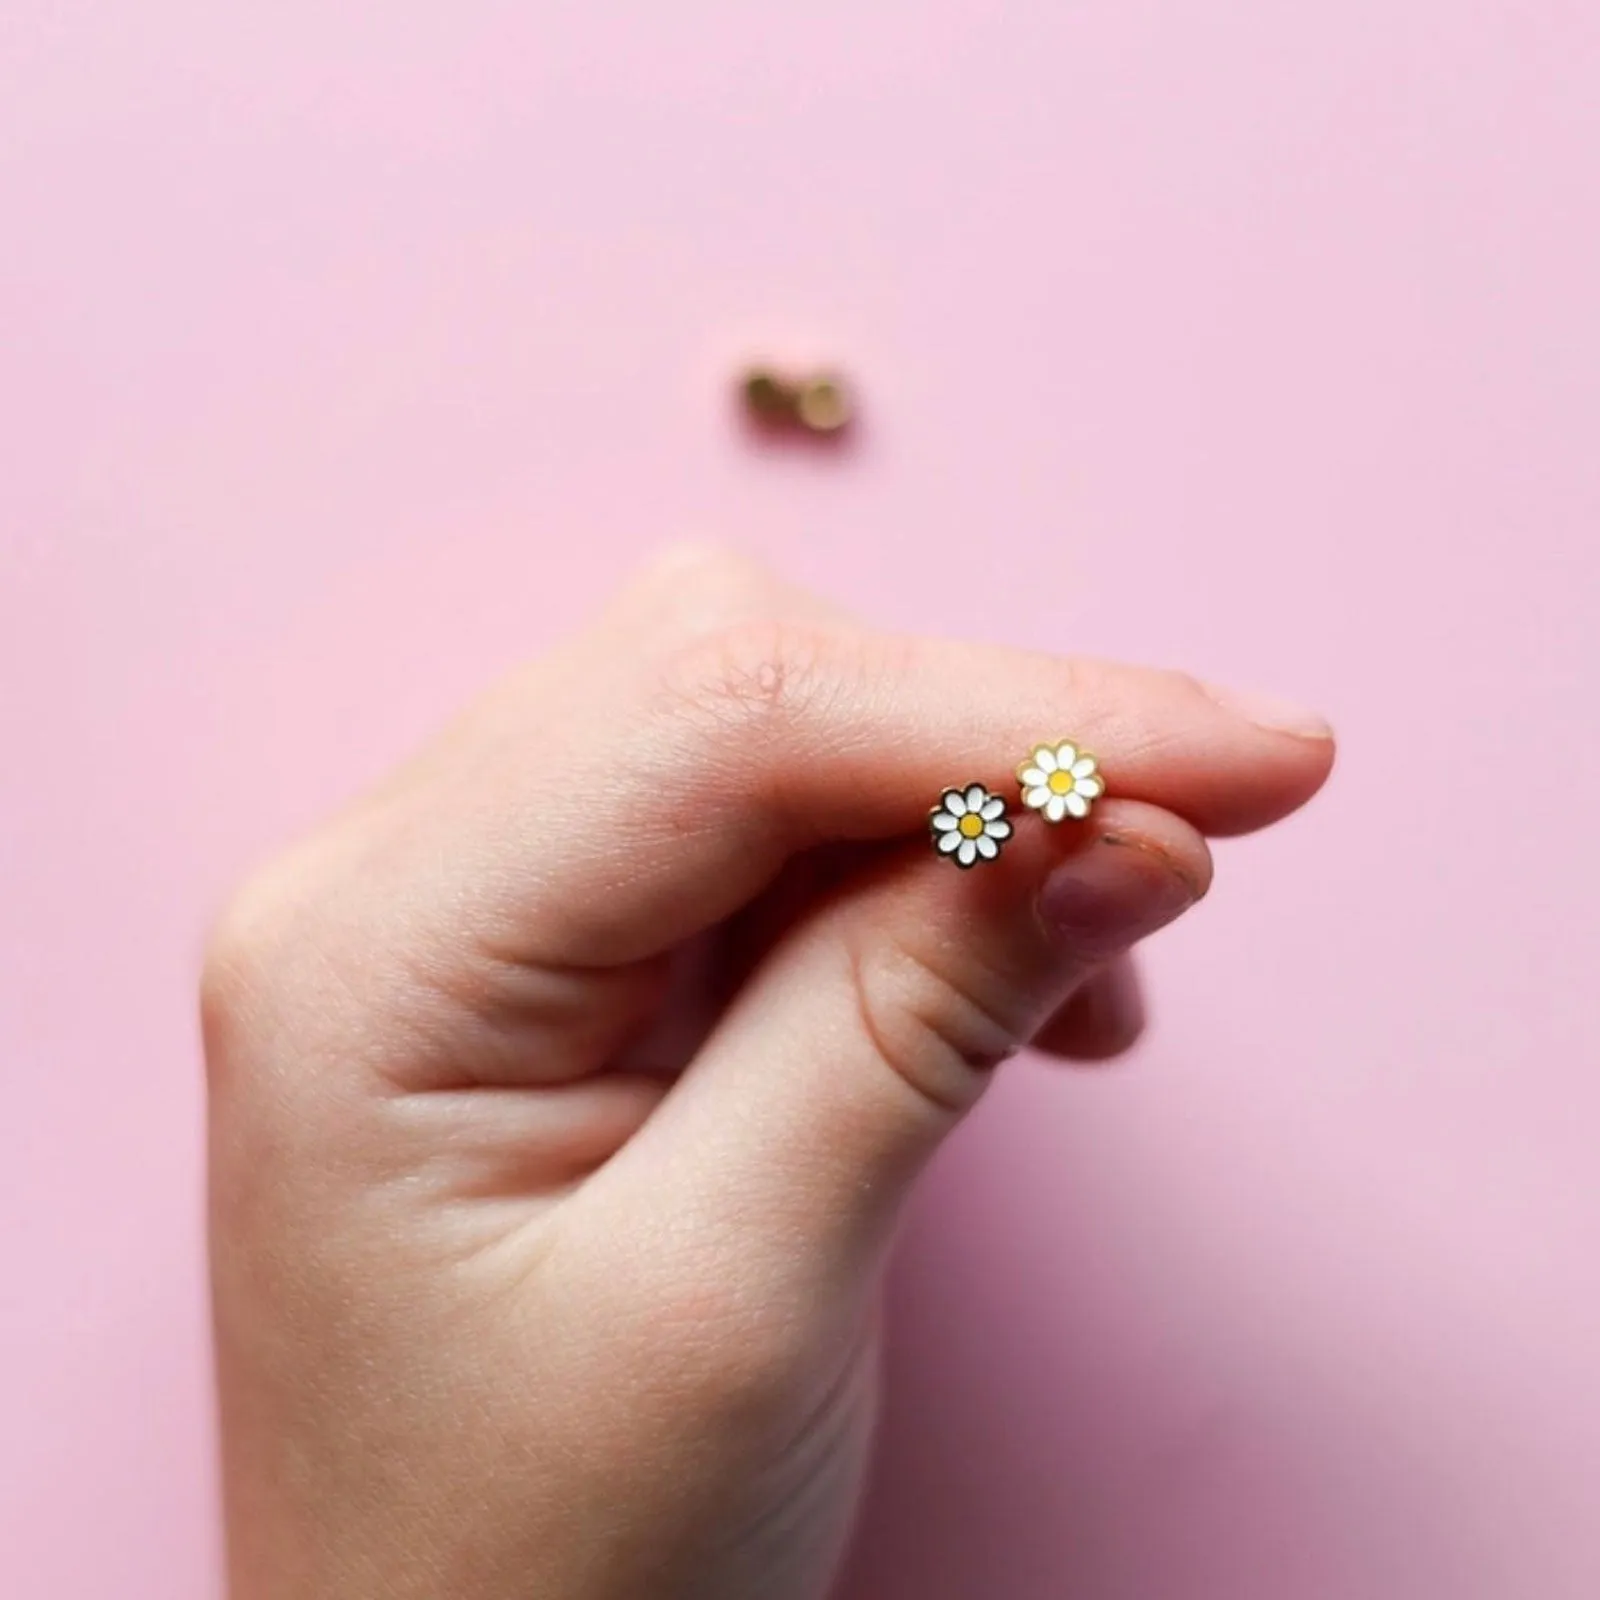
x: 969, y: 825
x: 1060, y: 781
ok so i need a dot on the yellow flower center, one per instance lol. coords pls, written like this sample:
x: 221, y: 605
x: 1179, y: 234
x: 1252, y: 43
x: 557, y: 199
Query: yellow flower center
x: 970, y: 826
x: 1061, y: 783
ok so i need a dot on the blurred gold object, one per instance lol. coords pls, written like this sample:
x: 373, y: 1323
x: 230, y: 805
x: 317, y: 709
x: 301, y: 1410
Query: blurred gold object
x: 823, y: 405
x: 766, y: 396
x: 817, y: 403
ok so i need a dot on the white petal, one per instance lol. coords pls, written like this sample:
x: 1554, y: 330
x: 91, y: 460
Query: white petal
x: 998, y: 830
x: 1036, y: 797
x: 1055, y: 808
x: 1090, y: 788
x: 968, y: 853
x: 1083, y: 767
x: 976, y: 795
x: 992, y: 808
x: 987, y: 848
x: 943, y: 822
x: 954, y: 802
x: 1033, y: 777
x: 949, y: 842
x: 1044, y: 759
x: 1077, y: 805
x: 1066, y: 754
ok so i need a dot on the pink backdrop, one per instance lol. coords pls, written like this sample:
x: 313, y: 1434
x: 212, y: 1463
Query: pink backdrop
x: 345, y: 355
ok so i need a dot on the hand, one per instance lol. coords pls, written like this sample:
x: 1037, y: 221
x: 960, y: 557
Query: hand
x: 564, y: 1091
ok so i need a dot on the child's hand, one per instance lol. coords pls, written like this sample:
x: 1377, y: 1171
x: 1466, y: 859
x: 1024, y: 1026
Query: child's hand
x: 564, y: 1091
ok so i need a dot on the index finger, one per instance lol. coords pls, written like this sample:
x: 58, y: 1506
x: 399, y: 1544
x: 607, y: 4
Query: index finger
x: 606, y: 807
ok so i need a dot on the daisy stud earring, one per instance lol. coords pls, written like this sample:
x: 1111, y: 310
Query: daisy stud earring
x: 1060, y: 781
x: 969, y: 825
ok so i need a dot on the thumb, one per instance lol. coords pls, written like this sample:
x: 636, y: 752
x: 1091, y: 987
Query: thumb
x: 876, y: 1023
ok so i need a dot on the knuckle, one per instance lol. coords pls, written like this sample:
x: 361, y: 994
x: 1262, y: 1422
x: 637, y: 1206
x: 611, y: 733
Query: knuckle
x: 238, y: 969
x: 258, y: 968
x: 694, y: 589
x: 755, y: 677
x: 721, y: 583
x: 235, y: 955
x: 940, y: 1024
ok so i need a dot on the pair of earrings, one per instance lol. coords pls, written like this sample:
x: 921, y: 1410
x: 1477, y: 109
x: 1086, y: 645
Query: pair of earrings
x: 1058, y: 781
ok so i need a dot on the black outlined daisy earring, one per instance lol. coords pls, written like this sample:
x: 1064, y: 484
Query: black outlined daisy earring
x: 969, y: 825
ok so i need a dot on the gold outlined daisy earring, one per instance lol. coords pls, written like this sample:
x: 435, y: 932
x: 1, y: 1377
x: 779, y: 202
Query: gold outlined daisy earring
x: 1060, y: 781
x: 969, y: 825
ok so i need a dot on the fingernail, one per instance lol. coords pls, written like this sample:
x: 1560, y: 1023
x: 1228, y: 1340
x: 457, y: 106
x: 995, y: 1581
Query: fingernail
x: 1111, y: 894
x: 1271, y: 712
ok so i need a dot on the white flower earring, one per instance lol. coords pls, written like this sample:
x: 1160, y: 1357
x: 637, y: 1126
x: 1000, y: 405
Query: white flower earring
x: 969, y: 825
x: 1060, y: 781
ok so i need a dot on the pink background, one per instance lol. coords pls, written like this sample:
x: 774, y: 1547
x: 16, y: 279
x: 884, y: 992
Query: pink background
x: 345, y: 356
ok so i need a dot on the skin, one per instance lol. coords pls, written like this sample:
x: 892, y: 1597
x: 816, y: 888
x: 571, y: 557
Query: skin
x: 565, y: 1090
